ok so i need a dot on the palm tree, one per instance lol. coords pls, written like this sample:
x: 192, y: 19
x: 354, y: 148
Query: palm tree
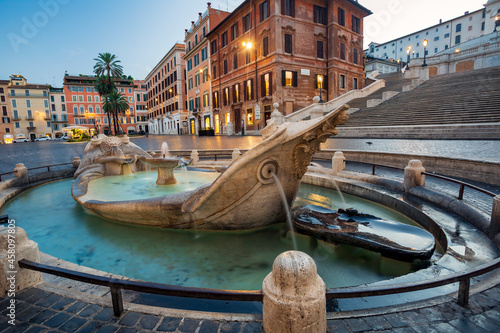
x: 107, y: 64
x: 115, y: 103
x: 103, y: 88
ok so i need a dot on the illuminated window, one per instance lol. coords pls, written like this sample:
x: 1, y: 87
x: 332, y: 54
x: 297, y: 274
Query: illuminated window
x: 249, y: 117
x: 248, y: 90
x: 228, y: 117
x: 288, y: 78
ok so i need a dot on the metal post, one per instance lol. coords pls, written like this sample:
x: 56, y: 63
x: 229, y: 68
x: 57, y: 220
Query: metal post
x: 461, y: 192
x: 116, y: 299
x: 463, y: 292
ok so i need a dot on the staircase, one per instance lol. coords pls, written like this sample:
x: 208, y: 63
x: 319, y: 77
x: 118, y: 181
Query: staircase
x: 459, y: 105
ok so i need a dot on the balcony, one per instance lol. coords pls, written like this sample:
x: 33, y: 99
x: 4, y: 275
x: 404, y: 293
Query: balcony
x: 31, y: 128
x: 30, y: 118
x: 16, y: 118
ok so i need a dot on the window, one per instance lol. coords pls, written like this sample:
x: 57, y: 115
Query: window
x: 320, y: 15
x: 225, y: 66
x: 342, y: 51
x: 234, y: 31
x: 288, y: 7
x: 196, y: 40
x: 435, y: 50
x: 53, y: 107
x: 223, y: 39
x: 482, y: 26
x: 436, y: 38
x: 27, y: 92
x: 216, y: 99
x: 288, y: 43
x: 28, y: 103
x: 235, y: 61
x: 204, y: 53
x: 342, y: 82
x: 89, y: 98
x: 75, y: 110
x: 265, y: 46
x: 214, y: 71
x: 319, y: 50
x: 341, y: 17
x: 458, y: 28
x: 355, y: 55
x: 17, y: 124
x: 266, y: 86
x: 189, y: 46
x: 190, y: 65
x: 457, y: 39
x: 236, y: 93
x: 356, y: 24
x: 226, y: 96
x: 51, y: 98
x: 204, y: 32
x: 247, y: 57
x: 246, y: 23
x: 264, y: 10
x: 96, y: 98
x: 248, y: 90
x: 196, y: 59
x: 205, y: 99
x: 15, y: 115
x: 14, y: 103
x: 213, y: 47
x: 250, y: 116
x: 197, y: 80
x: 446, y: 35
x: 289, y: 78
x: 190, y: 83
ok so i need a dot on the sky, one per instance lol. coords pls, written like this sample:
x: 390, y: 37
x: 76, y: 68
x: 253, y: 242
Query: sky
x: 42, y: 39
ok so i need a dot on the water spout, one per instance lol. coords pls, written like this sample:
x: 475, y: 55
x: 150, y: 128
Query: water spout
x: 165, y: 152
x: 287, y: 209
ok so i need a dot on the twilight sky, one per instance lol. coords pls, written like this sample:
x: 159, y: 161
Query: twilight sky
x: 41, y: 39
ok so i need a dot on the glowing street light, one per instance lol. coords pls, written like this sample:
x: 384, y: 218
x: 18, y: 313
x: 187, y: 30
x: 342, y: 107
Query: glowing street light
x: 497, y: 21
x: 425, y: 52
x: 408, y: 50
x: 320, y: 80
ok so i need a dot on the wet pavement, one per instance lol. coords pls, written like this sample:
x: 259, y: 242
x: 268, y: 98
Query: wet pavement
x: 40, y: 311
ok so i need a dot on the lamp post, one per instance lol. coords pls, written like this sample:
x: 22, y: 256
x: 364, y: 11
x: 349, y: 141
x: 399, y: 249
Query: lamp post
x: 425, y: 52
x: 248, y: 45
x: 320, y: 81
x: 408, y: 50
x: 497, y: 21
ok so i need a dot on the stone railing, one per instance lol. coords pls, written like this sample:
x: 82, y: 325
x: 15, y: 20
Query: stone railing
x: 337, y: 102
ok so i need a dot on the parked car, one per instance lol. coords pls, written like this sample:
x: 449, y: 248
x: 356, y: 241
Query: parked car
x: 20, y: 138
x: 43, y: 138
x: 61, y: 138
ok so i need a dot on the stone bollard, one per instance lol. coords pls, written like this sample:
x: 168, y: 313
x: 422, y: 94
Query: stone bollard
x: 236, y: 154
x: 195, y: 157
x: 277, y: 116
x: 495, y: 220
x: 230, y: 129
x: 294, y: 296
x: 413, y: 175
x: 317, y: 110
x: 13, y: 278
x: 76, y: 162
x: 20, y: 170
x: 338, y: 162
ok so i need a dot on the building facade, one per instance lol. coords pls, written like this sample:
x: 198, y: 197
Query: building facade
x: 199, y: 88
x: 141, y: 106
x: 85, y: 107
x: 58, y: 111
x: 30, y: 108
x: 6, y: 125
x: 166, y: 94
x: 440, y: 37
x: 286, y: 52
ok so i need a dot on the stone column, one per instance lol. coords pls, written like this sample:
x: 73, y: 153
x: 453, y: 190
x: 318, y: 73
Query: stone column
x: 20, y: 170
x: 195, y: 158
x: 236, y: 153
x: 495, y: 221
x: 294, y: 296
x: 277, y: 116
x: 318, y: 109
x: 413, y: 175
x: 338, y: 162
x: 14, y: 246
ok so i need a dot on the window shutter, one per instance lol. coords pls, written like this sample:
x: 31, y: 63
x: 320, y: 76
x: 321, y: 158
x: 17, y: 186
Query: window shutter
x: 245, y: 93
x: 270, y: 83
x: 253, y: 88
x: 315, y: 19
x: 262, y: 86
x: 292, y: 9
x: 316, y: 83
x: 294, y: 81
x: 325, y: 84
x: 283, y: 7
x: 283, y: 78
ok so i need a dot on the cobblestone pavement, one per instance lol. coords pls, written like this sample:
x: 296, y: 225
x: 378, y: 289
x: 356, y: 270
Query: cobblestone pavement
x: 40, y: 311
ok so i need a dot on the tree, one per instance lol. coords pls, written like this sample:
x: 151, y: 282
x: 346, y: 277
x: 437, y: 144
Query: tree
x: 103, y: 88
x: 115, y: 103
x: 107, y: 64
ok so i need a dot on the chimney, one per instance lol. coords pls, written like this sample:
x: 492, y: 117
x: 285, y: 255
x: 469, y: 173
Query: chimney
x: 209, y: 4
x: 192, y: 24
x: 185, y: 32
x: 466, y: 13
x: 440, y: 21
x: 199, y: 14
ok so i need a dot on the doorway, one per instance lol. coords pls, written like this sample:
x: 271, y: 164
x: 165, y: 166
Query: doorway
x: 237, y: 120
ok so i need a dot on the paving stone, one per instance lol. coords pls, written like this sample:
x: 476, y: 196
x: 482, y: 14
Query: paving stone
x: 29, y: 312
x: 378, y: 323
x: 357, y: 324
x: 230, y: 327
x: 397, y: 320
x: 465, y: 325
x: 252, y: 328
x: 169, y: 324
x: 129, y: 318
x: 189, y: 325
x: 127, y: 330
x: 431, y: 314
x: 73, y: 324
x: 493, y: 314
x: 149, y: 322
x: 415, y: 317
x: 437, y: 328
x: 42, y: 316
x: 107, y: 329
x: 63, y: 304
x: 485, y: 323
x: 90, y: 310
x: 91, y: 327
x: 76, y: 307
x: 21, y: 327
x: 31, y: 294
x: 49, y: 300
x: 105, y: 314
x: 209, y: 326
x: 336, y: 326
x: 402, y: 330
x: 57, y: 320
x: 35, y: 329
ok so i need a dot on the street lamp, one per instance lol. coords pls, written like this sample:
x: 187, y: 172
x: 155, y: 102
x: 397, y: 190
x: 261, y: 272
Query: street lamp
x: 497, y: 21
x: 408, y: 50
x: 320, y: 81
x: 425, y: 52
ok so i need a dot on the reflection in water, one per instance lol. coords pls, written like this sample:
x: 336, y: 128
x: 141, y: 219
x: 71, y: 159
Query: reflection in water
x: 228, y: 260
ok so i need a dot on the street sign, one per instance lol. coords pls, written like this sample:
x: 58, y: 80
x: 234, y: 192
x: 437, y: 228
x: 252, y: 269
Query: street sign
x: 257, y: 111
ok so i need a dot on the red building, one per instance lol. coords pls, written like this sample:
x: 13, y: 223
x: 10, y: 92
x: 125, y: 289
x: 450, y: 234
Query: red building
x: 85, y: 107
x: 287, y: 52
